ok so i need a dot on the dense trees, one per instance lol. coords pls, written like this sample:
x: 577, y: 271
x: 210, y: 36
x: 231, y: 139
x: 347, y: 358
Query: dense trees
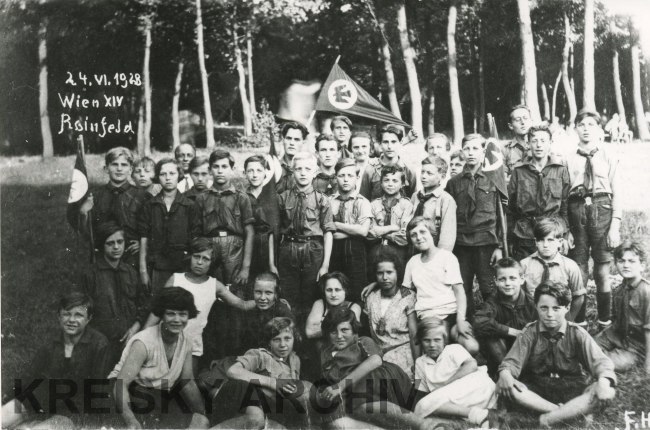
x: 219, y: 60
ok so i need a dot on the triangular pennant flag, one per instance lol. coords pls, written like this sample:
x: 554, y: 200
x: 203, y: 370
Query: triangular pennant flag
x: 78, y: 190
x: 493, y: 166
x: 342, y: 95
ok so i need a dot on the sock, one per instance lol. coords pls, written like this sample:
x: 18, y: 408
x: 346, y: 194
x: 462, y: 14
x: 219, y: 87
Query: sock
x: 604, y: 306
x: 582, y: 313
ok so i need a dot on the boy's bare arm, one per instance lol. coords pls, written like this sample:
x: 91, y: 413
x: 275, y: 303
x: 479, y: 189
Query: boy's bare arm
x: 327, y: 253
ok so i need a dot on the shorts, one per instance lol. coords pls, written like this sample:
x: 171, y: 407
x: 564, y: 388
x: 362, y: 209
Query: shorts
x: 557, y: 390
x: 589, y: 225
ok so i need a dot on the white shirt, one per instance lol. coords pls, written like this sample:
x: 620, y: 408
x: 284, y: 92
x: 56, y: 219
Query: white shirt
x: 205, y: 294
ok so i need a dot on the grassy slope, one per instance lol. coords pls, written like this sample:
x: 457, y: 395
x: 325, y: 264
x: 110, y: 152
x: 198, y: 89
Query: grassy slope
x: 41, y: 256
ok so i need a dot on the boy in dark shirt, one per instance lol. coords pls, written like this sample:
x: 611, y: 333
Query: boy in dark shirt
x: 328, y: 155
x: 551, y: 356
x: 200, y: 173
x: 117, y: 201
x: 517, y: 150
x: 538, y: 187
x: 293, y: 137
x: 119, y: 297
x: 627, y: 340
x: 225, y: 215
x: 143, y: 176
x: 341, y: 128
x: 477, y: 245
x: 501, y: 318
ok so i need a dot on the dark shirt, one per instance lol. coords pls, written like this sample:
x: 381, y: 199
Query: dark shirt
x: 632, y: 308
x: 88, y: 361
x: 533, y: 194
x: 168, y: 232
x: 371, y: 179
x: 326, y: 184
x: 261, y: 224
x: 193, y: 193
x: 476, y: 211
x: 337, y: 367
x: 310, y: 215
x: 287, y: 180
x: 119, y: 297
x: 228, y: 210
x: 495, y: 316
x: 119, y: 204
x: 573, y: 354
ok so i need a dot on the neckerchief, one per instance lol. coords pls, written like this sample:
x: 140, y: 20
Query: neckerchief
x: 589, y: 178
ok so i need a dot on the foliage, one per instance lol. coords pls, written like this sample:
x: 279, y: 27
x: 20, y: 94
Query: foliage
x: 263, y: 124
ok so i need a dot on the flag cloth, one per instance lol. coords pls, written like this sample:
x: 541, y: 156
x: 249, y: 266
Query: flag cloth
x: 493, y: 166
x: 342, y: 95
x: 78, y: 190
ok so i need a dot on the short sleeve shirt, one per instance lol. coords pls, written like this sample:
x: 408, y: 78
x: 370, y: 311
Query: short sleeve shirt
x: 562, y: 270
x: 433, y: 282
x: 434, y: 372
x: 229, y: 210
x: 400, y: 215
x: 638, y: 304
x: 356, y: 210
x: 604, y: 165
x: 337, y: 365
x: 316, y: 213
x: 441, y: 205
x: 263, y: 362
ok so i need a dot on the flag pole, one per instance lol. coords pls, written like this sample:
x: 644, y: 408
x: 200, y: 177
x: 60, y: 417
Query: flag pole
x: 500, y: 210
x: 337, y: 60
x: 91, y: 234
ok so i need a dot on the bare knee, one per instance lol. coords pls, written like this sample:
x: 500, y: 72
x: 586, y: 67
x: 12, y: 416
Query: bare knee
x: 255, y: 417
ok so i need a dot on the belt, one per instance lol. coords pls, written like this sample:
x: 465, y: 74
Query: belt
x: 300, y: 239
x: 579, y: 196
x: 223, y: 233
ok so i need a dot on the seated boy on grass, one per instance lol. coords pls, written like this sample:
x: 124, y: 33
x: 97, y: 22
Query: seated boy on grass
x: 554, y: 359
x: 500, y: 319
x: 627, y: 341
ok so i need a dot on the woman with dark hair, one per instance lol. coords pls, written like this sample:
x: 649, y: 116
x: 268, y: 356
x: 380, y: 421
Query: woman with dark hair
x: 73, y: 358
x: 154, y: 362
x: 391, y: 312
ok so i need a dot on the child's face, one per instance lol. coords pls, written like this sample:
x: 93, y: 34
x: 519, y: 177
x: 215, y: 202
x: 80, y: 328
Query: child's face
x: 391, y: 183
x: 430, y: 176
x: 589, y: 130
x: 343, y: 336
x: 540, y: 145
x: 551, y: 314
x: 549, y: 246
x: 201, y: 176
x: 389, y: 145
x: 456, y: 166
x: 168, y: 176
x: 221, y: 171
x: 143, y: 176
x: 520, y: 122
x: 264, y: 294
x: 184, y: 155
x: 174, y: 321
x: 292, y: 142
x: 509, y: 282
x: 282, y: 344
x: 341, y: 131
x: 114, y: 246
x: 347, y: 179
x: 73, y: 321
x: 474, y: 152
x: 433, y: 342
x: 328, y: 153
x: 421, y: 238
x: 436, y: 146
x: 386, y: 275
x: 360, y: 149
x: 303, y: 172
x: 200, y: 262
x: 255, y: 174
x: 630, y: 265
x: 119, y: 170
x: 334, y: 292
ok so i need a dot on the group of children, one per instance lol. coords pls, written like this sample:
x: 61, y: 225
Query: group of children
x: 321, y: 259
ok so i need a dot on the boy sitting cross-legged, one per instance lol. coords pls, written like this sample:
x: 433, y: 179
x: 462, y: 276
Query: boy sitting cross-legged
x: 548, y: 264
x: 627, y: 340
x: 501, y: 318
x: 552, y: 357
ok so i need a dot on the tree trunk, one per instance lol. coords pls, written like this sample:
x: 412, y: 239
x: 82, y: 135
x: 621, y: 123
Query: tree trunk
x: 390, y: 75
x: 481, y: 83
x: 146, y: 84
x: 454, y: 93
x: 431, y: 123
x: 588, y: 81
x: 639, y: 113
x: 46, y: 131
x: 545, y: 101
x: 566, y: 83
x: 411, y: 71
x: 554, y: 102
x: 209, y: 122
x: 140, y: 141
x: 620, y: 107
x: 176, y: 126
x: 528, y: 59
x: 249, y: 65
x: 246, y: 109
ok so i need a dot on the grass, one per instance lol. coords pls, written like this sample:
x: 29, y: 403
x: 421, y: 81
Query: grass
x: 41, y: 257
